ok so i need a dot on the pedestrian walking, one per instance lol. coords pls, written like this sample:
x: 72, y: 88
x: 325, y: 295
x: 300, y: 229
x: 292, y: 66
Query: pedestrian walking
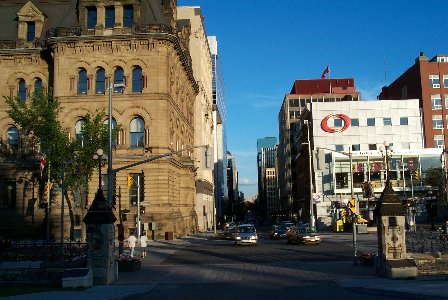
x: 131, y: 242
x: 143, y: 243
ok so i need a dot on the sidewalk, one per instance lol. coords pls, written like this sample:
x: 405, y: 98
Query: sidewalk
x: 129, y: 283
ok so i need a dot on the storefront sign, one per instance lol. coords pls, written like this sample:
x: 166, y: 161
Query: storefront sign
x: 346, y: 120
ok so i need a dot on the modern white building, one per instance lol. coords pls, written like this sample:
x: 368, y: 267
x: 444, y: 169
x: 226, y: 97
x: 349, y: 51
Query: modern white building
x: 347, y: 147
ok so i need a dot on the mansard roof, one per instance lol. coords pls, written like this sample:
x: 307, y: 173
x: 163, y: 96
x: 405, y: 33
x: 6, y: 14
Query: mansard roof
x: 64, y: 13
x: 58, y: 13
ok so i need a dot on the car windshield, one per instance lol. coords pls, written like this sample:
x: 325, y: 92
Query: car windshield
x: 281, y: 228
x: 246, y: 229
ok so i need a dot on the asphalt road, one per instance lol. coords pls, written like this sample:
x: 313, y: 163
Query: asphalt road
x: 217, y: 269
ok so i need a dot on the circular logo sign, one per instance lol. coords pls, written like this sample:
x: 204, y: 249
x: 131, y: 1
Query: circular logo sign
x: 345, y: 119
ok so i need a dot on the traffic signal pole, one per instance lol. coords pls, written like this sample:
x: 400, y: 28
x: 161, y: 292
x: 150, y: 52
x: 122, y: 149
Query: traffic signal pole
x: 138, y: 208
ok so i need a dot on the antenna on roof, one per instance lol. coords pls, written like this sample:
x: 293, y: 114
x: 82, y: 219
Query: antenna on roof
x: 385, y: 69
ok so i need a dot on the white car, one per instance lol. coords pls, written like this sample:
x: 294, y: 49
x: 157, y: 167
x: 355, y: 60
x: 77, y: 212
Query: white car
x: 246, y: 234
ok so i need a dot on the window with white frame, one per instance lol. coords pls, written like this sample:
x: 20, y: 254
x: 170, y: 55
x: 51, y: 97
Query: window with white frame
x: 436, y: 101
x: 387, y: 121
x: 438, y: 141
x: 434, y: 81
x: 437, y: 121
x: 446, y: 100
x: 404, y: 121
x: 337, y: 122
x: 445, y: 81
x: 339, y: 147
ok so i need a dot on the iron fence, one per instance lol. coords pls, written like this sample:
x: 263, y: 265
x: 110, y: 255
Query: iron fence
x: 49, y: 251
x: 426, y: 241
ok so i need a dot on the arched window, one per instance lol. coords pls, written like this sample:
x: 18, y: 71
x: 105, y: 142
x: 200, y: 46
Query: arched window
x: 100, y: 81
x: 114, y: 125
x: 82, y: 81
x: 78, y: 131
x: 137, y: 132
x: 12, y: 136
x: 137, y: 80
x: 119, y: 80
x: 21, y: 89
x: 38, y: 87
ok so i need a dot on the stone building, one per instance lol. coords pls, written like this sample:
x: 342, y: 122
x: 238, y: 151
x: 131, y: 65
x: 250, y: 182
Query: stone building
x: 203, y: 112
x: 81, y: 50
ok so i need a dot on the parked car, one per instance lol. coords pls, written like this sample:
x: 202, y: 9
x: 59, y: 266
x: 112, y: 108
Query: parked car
x: 287, y: 224
x: 303, y: 234
x: 228, y: 233
x: 246, y: 234
x: 278, y: 232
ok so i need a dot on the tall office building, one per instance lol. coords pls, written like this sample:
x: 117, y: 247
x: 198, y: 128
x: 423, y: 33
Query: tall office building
x: 426, y: 80
x: 219, y: 125
x: 84, y: 51
x: 203, y: 112
x: 267, y: 176
x: 232, y: 185
x: 302, y: 94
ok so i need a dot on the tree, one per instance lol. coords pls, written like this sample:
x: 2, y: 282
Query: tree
x: 38, y: 119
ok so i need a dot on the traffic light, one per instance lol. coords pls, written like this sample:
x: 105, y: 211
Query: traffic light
x: 129, y: 181
x: 142, y: 209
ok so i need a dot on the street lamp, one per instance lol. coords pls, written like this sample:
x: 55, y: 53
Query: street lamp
x: 386, y: 150
x: 100, y: 157
x: 109, y: 150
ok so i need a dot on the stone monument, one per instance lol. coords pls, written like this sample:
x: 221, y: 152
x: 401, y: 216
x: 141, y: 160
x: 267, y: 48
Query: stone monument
x: 100, y: 221
x: 392, y: 260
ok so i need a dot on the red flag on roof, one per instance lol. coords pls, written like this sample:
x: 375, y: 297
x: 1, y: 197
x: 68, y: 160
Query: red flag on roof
x: 326, y: 71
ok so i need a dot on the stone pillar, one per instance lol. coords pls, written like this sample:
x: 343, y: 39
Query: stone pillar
x: 100, y: 237
x: 392, y: 258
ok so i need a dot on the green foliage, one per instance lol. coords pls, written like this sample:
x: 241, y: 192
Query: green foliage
x: 38, y: 118
x: 434, y: 177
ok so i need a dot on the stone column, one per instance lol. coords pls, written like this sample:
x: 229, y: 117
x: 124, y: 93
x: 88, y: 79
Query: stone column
x: 100, y: 237
x: 392, y: 258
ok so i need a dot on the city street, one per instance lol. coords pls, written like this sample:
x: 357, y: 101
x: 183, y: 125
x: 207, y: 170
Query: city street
x: 201, y: 268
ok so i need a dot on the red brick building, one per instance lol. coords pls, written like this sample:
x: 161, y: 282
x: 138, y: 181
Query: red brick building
x: 426, y: 80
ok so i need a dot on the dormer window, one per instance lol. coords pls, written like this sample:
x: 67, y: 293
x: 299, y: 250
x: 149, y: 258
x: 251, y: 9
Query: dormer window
x: 30, y: 31
x: 110, y: 17
x: 128, y: 16
x: 91, y: 17
x: 30, y: 22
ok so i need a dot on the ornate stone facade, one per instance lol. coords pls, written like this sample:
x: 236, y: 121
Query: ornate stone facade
x: 78, y: 64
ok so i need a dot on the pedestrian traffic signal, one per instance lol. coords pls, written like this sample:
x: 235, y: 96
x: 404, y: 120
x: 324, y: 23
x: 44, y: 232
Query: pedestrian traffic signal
x: 142, y: 209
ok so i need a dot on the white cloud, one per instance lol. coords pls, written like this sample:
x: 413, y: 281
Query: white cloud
x: 246, y: 182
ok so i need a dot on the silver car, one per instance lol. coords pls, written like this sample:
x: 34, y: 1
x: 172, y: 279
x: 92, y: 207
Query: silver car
x: 246, y: 234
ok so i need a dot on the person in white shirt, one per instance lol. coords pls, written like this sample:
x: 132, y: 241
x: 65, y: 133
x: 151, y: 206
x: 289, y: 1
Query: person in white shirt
x: 143, y: 243
x: 131, y: 242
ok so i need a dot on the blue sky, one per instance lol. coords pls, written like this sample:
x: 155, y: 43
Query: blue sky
x: 265, y: 45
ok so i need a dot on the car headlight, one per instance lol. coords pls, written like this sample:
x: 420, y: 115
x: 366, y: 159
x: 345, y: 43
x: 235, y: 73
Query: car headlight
x: 238, y: 238
x: 253, y: 237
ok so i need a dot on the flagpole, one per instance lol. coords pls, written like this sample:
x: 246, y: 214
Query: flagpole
x: 329, y: 77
